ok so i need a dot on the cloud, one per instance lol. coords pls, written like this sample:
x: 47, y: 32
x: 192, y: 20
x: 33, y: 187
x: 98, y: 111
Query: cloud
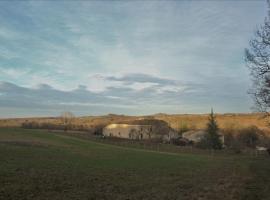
x: 46, y: 97
x: 142, y: 56
x: 14, y: 73
x: 140, y: 81
x: 142, y: 78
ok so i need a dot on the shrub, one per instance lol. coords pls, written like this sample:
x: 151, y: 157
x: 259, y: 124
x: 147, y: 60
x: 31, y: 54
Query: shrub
x: 249, y: 136
x: 98, y: 130
x: 180, y: 141
x: 183, y: 128
x: 30, y: 125
x: 229, y: 136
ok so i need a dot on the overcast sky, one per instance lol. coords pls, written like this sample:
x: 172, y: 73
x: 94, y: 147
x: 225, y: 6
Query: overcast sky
x: 125, y: 57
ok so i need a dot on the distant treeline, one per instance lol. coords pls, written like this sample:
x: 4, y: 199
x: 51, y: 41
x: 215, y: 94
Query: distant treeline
x: 97, y: 130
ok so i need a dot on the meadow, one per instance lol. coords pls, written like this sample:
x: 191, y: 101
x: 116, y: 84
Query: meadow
x: 37, y: 164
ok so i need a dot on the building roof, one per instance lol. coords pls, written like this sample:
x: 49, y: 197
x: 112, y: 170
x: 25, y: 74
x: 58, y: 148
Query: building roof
x: 111, y: 126
x: 196, y: 135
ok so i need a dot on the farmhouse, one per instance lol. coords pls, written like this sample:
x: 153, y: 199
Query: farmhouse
x: 128, y: 131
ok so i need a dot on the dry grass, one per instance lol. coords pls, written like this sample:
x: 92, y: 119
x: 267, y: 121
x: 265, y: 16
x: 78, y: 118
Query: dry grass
x: 224, y: 120
x: 191, y: 121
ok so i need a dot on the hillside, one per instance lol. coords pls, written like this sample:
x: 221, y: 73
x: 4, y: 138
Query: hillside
x: 190, y: 121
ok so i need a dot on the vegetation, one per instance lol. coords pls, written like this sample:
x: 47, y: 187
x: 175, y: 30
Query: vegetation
x: 257, y: 59
x: 192, y: 122
x: 236, y: 127
x: 67, y: 118
x: 183, y: 127
x: 240, y: 139
x: 212, y: 137
x: 36, y: 164
x: 249, y: 136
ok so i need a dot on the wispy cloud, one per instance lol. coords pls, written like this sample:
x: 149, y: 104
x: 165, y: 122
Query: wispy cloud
x: 169, y: 56
x: 45, y: 97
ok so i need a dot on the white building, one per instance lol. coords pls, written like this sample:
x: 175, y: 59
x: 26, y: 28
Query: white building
x: 197, y: 135
x: 128, y: 131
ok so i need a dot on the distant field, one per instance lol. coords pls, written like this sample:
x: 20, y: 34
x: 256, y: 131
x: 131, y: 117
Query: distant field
x: 175, y: 121
x: 224, y: 120
x: 40, y: 165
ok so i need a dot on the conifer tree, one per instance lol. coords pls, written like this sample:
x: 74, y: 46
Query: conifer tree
x: 212, y: 136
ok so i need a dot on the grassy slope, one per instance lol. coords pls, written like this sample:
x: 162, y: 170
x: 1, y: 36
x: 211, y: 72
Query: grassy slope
x: 175, y: 121
x: 40, y: 165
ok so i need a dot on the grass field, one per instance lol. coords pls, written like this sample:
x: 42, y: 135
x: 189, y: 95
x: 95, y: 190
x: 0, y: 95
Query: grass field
x: 192, y: 121
x: 35, y: 164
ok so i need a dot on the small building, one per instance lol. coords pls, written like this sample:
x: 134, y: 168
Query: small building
x: 128, y: 131
x: 197, y: 135
x: 171, y: 135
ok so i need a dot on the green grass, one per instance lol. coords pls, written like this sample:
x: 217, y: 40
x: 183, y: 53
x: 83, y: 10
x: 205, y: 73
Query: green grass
x: 35, y: 164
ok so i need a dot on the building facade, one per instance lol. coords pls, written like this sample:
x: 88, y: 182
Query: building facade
x: 128, y: 131
x: 197, y: 135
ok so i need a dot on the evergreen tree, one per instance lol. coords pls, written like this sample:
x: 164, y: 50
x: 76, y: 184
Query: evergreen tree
x: 212, y: 136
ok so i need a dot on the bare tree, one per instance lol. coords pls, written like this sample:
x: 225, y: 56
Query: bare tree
x: 67, y: 119
x: 132, y: 133
x: 258, y: 61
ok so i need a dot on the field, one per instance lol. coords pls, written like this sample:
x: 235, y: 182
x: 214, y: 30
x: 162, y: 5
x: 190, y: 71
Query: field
x: 36, y: 164
x: 191, y: 121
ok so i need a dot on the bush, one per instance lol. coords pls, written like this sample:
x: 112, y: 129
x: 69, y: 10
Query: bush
x: 204, y: 143
x: 229, y: 136
x: 98, y: 130
x: 45, y: 125
x: 183, y: 128
x: 180, y: 141
x: 30, y: 125
x: 249, y: 136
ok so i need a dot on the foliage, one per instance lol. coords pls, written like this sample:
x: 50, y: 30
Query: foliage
x: 203, y: 144
x: 212, y: 138
x: 67, y: 119
x: 54, y: 126
x: 240, y: 138
x: 183, y: 128
x: 30, y: 125
x: 249, y: 136
x: 180, y: 142
x: 98, y: 130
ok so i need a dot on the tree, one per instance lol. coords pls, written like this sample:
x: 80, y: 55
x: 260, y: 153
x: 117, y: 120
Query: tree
x: 133, y: 133
x: 67, y: 119
x: 183, y: 127
x: 249, y: 136
x: 212, y: 137
x: 257, y: 58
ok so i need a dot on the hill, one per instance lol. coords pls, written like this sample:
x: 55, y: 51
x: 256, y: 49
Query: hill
x: 177, y: 121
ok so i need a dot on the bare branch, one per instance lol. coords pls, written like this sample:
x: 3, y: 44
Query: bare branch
x: 257, y: 58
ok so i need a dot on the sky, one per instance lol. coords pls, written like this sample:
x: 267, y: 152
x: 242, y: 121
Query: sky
x: 125, y: 57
